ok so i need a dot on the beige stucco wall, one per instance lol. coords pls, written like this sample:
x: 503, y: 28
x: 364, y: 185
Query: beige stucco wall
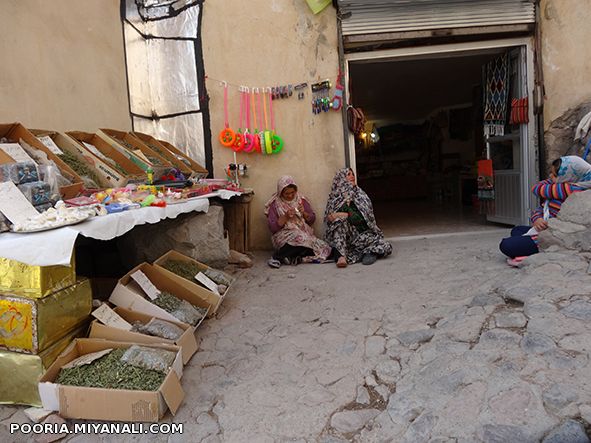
x: 565, y: 51
x: 266, y: 43
x: 62, y: 65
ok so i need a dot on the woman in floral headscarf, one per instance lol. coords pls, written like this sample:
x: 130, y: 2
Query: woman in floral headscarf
x: 568, y: 174
x: 290, y: 216
x: 351, y: 224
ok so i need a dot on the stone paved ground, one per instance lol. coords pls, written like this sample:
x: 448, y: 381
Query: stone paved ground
x: 442, y: 342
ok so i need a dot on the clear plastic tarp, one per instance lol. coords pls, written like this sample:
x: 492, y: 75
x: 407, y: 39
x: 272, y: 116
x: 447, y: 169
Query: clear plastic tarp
x: 161, y: 38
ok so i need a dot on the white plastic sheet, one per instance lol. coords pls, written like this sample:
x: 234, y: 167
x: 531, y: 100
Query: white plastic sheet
x: 55, y: 247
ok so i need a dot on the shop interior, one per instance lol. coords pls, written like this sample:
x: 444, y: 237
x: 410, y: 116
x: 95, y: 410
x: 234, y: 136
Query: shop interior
x: 417, y: 156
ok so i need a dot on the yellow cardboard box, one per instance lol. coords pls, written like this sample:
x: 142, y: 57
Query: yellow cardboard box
x: 30, y: 326
x: 30, y: 281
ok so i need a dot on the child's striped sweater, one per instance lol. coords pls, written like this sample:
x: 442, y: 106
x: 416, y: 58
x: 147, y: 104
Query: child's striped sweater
x: 555, y: 194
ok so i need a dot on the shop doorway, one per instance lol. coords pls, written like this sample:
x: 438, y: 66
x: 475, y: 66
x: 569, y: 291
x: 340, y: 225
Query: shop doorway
x: 418, y: 154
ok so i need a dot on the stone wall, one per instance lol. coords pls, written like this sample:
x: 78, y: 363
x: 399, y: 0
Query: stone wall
x: 197, y: 235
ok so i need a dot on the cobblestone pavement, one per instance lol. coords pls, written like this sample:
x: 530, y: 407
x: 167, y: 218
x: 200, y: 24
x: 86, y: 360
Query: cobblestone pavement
x: 442, y: 342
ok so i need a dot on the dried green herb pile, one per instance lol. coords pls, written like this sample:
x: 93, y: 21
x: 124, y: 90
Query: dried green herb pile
x: 189, y: 270
x: 156, y: 149
x: 79, y: 167
x: 155, y: 161
x: 112, y: 373
x: 184, y: 269
x: 180, y: 309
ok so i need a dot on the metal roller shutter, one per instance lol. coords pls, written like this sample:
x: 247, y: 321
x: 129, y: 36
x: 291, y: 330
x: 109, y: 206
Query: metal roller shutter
x: 381, y: 16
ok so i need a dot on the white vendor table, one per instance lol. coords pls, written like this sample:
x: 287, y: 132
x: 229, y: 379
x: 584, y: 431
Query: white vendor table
x: 55, y: 247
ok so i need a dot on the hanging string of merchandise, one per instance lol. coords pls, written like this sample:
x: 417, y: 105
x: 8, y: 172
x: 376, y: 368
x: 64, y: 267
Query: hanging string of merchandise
x: 266, y: 141
x: 322, y: 99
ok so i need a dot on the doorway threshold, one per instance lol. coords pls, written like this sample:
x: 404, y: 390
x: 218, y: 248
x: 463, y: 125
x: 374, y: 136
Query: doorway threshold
x: 493, y: 230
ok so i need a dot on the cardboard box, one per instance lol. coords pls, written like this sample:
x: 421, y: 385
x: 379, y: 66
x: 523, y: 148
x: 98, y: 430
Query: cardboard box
x: 158, y: 147
x: 136, y: 150
x: 15, y: 131
x: 108, y: 175
x: 196, y: 167
x: 212, y: 298
x: 128, y: 294
x: 21, y: 372
x: 187, y: 342
x: 31, y: 326
x: 133, y: 172
x: 29, y: 281
x: 110, y: 404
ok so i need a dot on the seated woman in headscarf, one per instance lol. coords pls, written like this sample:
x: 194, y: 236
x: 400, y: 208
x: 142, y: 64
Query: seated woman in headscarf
x: 568, y: 175
x: 351, y: 224
x: 290, y: 218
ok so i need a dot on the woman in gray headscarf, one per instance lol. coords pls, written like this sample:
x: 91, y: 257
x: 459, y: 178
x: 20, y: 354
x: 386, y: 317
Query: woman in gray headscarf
x: 351, y: 224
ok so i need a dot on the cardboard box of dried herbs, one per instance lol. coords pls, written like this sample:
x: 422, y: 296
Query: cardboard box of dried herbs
x: 115, y: 385
x: 142, y: 328
x: 170, y: 300
x: 184, y: 270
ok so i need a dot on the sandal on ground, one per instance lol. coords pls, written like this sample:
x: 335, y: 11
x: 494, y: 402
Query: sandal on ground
x: 342, y: 262
x: 515, y: 262
x: 274, y: 263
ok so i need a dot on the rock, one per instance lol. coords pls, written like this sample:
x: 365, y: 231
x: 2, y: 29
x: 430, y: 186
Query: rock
x: 37, y: 415
x: 536, y: 343
x: 411, y: 337
x: 520, y: 294
x: 52, y: 420
x: 421, y: 428
x: 370, y: 381
x: 351, y: 421
x: 585, y: 411
x: 576, y: 209
x: 560, y: 359
x: 498, y: 339
x: 568, y: 432
x: 486, y: 299
x: 505, y: 434
x: 560, y: 395
x: 510, y: 320
x: 538, y: 308
x: 197, y: 235
x: 403, y: 409
x: 579, y: 309
x: 383, y: 392
x: 388, y: 371
x: 558, y: 138
x: 242, y: 260
x: 362, y: 396
x: 374, y: 346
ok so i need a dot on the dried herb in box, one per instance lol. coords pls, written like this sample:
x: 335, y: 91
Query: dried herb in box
x: 180, y: 309
x: 189, y: 270
x: 112, y: 373
x: 79, y: 167
x: 182, y: 268
x: 155, y: 161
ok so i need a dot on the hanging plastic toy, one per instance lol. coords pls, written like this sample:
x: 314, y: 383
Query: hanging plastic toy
x: 249, y: 144
x: 337, y: 100
x: 257, y: 134
x: 266, y: 143
x: 238, y: 144
x: 276, y: 141
x: 227, y: 136
x: 256, y: 141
